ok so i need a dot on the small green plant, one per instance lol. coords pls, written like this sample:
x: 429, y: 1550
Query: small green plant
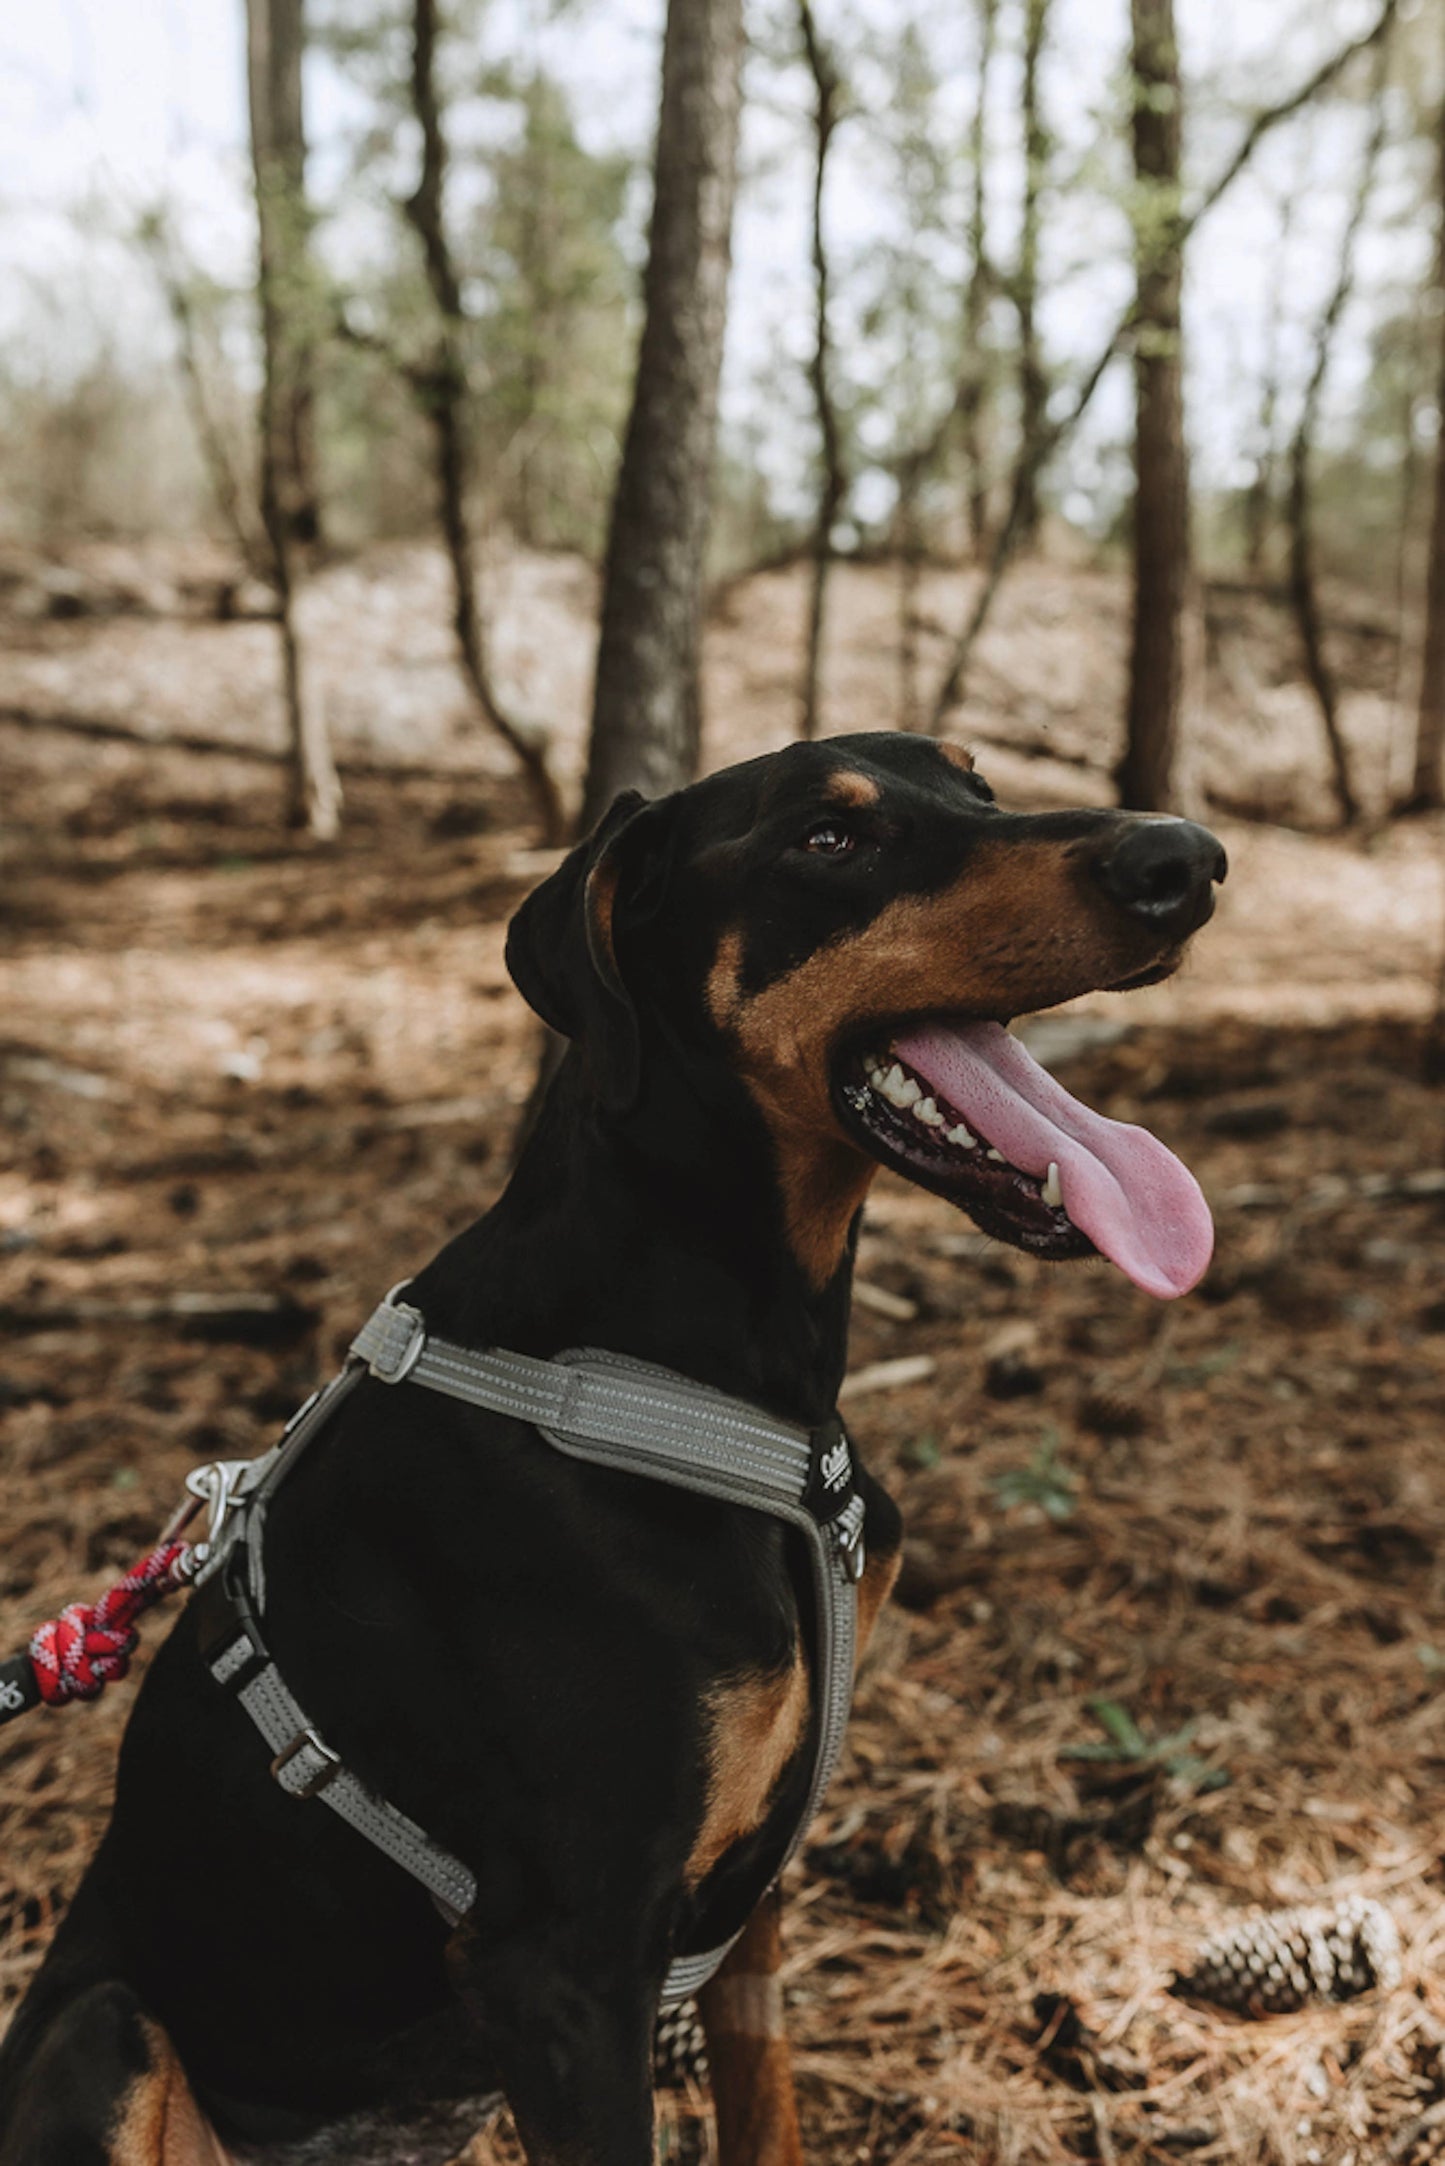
x: 922, y: 1451
x: 1125, y: 1744
x: 1045, y: 1481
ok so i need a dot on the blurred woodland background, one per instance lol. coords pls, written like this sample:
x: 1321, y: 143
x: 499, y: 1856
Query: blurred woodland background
x: 418, y: 422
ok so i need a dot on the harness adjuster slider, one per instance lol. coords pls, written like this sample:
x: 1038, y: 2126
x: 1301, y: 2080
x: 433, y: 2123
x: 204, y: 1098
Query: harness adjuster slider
x: 394, y: 1362
x: 310, y: 1785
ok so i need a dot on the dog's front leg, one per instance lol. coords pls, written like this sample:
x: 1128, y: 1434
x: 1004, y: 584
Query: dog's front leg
x: 573, y: 2052
x: 747, y: 2048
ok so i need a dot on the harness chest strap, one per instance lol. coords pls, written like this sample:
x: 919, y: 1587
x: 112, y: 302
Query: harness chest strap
x: 606, y: 1408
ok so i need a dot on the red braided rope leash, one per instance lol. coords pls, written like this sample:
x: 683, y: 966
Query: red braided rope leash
x: 89, y: 1645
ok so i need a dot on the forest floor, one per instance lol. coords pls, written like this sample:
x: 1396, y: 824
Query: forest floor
x: 232, y: 1064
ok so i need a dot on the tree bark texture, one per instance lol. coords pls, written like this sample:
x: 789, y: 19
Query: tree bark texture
x: 646, y: 716
x: 1145, y: 775
x: 832, y: 481
x: 274, y: 43
x: 1427, y: 790
x: 1033, y: 384
x: 442, y: 389
x: 973, y: 374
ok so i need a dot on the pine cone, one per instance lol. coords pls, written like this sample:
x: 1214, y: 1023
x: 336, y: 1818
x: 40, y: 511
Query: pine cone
x: 1281, y: 1960
x: 679, y: 2048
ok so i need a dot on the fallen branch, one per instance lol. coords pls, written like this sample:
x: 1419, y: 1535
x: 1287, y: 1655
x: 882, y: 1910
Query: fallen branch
x: 255, y: 1319
x: 109, y: 732
x: 895, y: 1307
x: 1335, y: 1191
x: 887, y: 1376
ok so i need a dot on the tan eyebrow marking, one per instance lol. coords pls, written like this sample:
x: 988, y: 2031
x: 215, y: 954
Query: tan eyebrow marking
x: 958, y: 756
x: 850, y: 788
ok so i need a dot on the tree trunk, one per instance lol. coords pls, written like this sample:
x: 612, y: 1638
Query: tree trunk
x: 1145, y: 775
x: 276, y: 40
x: 275, y: 37
x: 973, y: 375
x: 646, y: 716
x: 1260, y: 495
x: 1427, y: 792
x: 832, y: 483
x: 235, y: 502
x: 908, y: 530
x: 1033, y: 384
x: 1304, y: 593
x: 442, y: 390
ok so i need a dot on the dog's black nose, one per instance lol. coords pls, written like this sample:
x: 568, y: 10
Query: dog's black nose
x: 1164, y: 872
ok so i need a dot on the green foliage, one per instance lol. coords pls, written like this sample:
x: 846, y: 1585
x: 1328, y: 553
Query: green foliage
x: 922, y: 1451
x: 555, y: 330
x: 1045, y: 1482
x: 1125, y: 1744
x: 536, y: 225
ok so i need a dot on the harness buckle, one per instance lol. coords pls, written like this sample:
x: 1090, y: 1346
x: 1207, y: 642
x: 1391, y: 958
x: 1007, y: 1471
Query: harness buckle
x: 309, y: 1785
x: 391, y: 1363
x: 847, y: 1533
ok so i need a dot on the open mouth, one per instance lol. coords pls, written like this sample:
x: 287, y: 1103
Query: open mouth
x: 962, y: 1108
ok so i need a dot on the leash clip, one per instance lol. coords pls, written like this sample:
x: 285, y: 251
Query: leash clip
x: 219, y: 1487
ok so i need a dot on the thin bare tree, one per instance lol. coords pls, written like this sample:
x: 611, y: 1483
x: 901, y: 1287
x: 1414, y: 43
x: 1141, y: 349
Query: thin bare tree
x: 1303, y: 584
x: 1033, y: 383
x: 647, y: 706
x: 973, y: 379
x: 832, y: 479
x: 1161, y: 552
x: 1007, y: 540
x: 1427, y: 789
x: 289, y: 505
x: 1260, y: 496
x: 442, y: 388
x: 184, y: 295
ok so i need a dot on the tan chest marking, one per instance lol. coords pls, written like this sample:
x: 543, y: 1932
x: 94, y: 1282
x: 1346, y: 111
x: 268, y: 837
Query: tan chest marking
x: 876, y: 1585
x: 160, y: 2122
x: 757, y: 1724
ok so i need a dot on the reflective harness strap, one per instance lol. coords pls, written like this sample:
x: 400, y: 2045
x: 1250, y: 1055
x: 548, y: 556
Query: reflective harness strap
x: 605, y: 1408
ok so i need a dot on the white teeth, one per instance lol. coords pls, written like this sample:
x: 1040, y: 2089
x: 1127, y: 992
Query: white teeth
x: 1053, y: 1194
x: 927, y: 1112
x: 899, y: 1089
x: 961, y: 1135
x: 997, y: 1156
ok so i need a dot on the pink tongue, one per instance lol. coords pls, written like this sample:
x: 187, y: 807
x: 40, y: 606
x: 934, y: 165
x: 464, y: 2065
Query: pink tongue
x: 1139, y: 1206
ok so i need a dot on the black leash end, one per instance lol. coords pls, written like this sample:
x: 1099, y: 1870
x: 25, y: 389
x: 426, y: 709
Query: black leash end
x: 19, y: 1691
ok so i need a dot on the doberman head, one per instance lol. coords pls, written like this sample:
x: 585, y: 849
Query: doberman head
x: 835, y: 936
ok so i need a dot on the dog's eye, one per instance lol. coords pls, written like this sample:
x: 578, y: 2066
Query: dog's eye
x: 830, y: 838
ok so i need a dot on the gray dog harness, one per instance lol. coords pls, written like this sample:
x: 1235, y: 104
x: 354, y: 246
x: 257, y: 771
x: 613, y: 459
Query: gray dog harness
x: 603, y: 1407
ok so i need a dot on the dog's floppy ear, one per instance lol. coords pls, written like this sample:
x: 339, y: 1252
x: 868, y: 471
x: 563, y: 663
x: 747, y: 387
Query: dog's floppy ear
x: 561, y: 952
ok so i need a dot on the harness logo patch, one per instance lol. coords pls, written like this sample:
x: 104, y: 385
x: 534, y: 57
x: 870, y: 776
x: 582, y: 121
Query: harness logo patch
x: 11, y: 1697
x: 836, y: 1466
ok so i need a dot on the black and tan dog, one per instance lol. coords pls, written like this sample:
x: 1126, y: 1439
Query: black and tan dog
x: 591, y: 1688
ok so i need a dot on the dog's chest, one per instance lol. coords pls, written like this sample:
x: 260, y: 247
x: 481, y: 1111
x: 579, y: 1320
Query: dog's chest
x: 419, y: 2136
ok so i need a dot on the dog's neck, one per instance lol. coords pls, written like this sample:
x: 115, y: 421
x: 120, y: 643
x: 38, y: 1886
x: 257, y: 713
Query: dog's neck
x: 658, y: 1238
